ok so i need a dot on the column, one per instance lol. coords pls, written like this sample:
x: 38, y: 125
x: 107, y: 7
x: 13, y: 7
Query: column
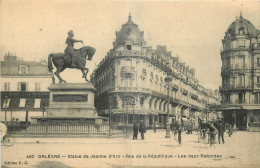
x: 153, y: 120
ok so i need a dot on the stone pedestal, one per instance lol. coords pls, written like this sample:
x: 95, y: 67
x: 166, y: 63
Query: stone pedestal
x: 71, y: 103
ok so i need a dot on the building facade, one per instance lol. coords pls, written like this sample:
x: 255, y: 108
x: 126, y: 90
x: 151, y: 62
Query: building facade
x: 130, y: 82
x: 24, y: 90
x: 240, y: 74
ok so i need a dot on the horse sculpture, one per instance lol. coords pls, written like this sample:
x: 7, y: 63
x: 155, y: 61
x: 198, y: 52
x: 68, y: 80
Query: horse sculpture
x: 63, y: 61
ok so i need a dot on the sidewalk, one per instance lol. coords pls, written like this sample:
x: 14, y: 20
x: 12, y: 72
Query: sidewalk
x: 150, y: 137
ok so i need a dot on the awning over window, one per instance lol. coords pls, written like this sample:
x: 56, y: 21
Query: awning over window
x: 21, y: 101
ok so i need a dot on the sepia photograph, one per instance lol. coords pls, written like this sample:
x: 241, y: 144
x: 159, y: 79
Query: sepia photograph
x: 130, y: 84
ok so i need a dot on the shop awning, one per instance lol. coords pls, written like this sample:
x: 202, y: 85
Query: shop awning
x: 22, y: 101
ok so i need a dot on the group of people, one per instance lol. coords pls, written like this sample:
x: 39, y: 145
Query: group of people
x: 213, y: 128
x: 139, y: 126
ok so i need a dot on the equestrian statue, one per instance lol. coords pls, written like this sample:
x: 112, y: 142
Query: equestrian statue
x: 71, y: 58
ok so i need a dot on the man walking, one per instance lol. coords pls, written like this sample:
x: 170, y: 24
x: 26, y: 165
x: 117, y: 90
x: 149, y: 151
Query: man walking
x: 142, y: 129
x: 155, y: 127
x: 135, y: 130
x: 221, y: 130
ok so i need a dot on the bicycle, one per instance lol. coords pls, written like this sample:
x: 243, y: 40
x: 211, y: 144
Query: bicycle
x: 7, y: 139
x: 212, y: 138
x: 202, y: 136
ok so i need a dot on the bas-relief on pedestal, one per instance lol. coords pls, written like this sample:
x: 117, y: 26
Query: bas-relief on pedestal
x: 71, y: 103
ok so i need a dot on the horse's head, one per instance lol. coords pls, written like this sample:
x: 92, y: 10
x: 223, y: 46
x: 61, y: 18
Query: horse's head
x: 87, y: 51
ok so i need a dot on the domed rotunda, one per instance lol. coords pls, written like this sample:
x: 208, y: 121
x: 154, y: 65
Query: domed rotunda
x: 240, y: 74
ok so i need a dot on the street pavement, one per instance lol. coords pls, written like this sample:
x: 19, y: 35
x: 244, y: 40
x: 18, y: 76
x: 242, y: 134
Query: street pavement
x: 240, y: 150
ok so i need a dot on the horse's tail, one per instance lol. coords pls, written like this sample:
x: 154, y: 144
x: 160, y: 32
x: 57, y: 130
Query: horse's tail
x: 50, y: 63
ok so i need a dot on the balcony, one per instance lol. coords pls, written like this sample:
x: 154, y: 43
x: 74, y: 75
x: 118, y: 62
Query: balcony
x: 234, y: 87
x: 127, y: 89
x: 130, y: 53
x: 239, y: 48
x: 128, y: 70
x: 240, y: 101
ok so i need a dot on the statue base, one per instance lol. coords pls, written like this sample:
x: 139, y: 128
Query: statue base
x: 71, y: 103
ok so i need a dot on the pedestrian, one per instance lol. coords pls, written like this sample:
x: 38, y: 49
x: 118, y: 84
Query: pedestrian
x: 135, y: 130
x: 178, y: 129
x: 230, y: 130
x: 221, y: 130
x: 190, y: 127
x: 142, y: 129
x: 155, y: 127
x: 212, y: 132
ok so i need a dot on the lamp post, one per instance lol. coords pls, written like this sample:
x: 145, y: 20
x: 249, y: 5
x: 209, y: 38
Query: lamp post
x: 133, y: 106
x: 5, y: 106
x: 43, y: 110
x: 110, y: 99
x: 168, y: 81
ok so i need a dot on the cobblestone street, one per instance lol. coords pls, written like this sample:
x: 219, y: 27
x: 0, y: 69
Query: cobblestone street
x: 240, y: 150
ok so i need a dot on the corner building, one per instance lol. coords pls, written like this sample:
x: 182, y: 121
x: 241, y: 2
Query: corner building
x: 130, y: 82
x: 240, y: 74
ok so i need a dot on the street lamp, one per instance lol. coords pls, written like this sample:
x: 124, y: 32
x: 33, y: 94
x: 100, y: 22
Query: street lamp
x: 43, y: 110
x: 5, y: 106
x: 168, y: 81
x: 133, y: 105
x: 110, y: 99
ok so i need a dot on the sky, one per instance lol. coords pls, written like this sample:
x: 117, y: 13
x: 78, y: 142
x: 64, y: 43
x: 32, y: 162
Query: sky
x: 191, y: 30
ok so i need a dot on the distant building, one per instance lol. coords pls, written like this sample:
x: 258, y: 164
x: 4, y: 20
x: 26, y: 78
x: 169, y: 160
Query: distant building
x: 24, y: 90
x: 240, y: 74
x: 130, y: 82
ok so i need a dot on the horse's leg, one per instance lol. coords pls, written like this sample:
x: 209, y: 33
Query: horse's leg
x: 53, y: 79
x: 57, y: 73
x: 82, y: 67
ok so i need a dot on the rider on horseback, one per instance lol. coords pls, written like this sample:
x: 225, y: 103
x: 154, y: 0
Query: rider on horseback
x: 69, y: 49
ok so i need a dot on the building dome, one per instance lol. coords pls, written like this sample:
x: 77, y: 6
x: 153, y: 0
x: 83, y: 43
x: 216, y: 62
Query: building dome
x: 242, y: 26
x: 129, y: 32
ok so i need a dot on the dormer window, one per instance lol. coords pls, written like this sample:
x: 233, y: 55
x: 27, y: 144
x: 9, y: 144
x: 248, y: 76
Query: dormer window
x: 129, y: 47
x: 241, y: 30
x: 23, y: 69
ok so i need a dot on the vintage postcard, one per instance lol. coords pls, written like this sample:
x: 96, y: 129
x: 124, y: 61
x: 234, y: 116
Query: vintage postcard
x: 130, y: 83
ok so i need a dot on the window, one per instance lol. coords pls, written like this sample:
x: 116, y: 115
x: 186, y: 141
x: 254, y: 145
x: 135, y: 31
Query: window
x: 241, y: 61
x: 228, y: 63
x: 23, y: 70
x: 241, y: 80
x: 227, y: 98
x: 151, y: 74
x: 241, y: 43
x: 128, y: 47
x: 256, y: 98
x: 241, y: 98
x: 22, y: 86
x: 37, y: 86
x: 258, y: 79
x: 241, y: 30
x: 258, y: 62
x: 7, y: 86
x: 227, y: 80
